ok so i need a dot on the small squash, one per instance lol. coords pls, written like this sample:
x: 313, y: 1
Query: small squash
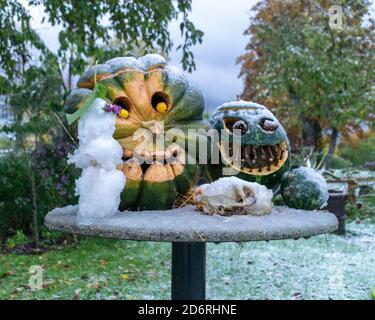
x: 304, y: 188
x: 149, y: 92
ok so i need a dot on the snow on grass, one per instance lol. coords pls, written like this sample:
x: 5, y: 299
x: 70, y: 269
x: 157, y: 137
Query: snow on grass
x: 322, y: 267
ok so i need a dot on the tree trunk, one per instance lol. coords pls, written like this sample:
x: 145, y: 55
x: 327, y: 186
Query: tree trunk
x: 70, y: 70
x: 332, y: 148
x: 311, y: 132
x: 35, y: 210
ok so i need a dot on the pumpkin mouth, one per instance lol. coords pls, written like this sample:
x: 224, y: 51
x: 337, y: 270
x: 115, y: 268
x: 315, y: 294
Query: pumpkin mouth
x: 153, y: 166
x: 257, y: 160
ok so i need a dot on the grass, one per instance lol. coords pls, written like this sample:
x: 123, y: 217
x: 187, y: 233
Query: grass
x: 93, y: 269
x: 322, y: 267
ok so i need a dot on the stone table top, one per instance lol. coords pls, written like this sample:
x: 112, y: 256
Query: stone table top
x: 188, y: 225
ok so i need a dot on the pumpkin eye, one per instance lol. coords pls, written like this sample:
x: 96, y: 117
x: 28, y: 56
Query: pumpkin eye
x: 160, y: 102
x: 125, y: 104
x: 240, y: 125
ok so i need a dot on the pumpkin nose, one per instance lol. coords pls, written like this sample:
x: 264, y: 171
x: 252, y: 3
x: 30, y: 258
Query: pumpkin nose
x: 268, y: 125
x: 156, y: 127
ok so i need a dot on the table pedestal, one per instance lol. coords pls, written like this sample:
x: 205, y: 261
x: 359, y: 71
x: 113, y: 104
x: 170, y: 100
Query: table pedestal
x: 188, y: 271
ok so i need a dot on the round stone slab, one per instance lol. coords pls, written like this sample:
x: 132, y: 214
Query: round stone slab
x: 187, y: 225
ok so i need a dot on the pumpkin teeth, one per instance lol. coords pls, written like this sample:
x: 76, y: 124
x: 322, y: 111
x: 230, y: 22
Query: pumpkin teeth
x: 172, y: 156
x: 259, y: 160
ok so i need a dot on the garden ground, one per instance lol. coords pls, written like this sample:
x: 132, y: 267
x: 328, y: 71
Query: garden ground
x: 322, y: 267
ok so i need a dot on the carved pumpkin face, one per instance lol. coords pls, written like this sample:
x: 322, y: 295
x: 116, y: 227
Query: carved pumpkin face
x: 150, y: 94
x: 264, y: 143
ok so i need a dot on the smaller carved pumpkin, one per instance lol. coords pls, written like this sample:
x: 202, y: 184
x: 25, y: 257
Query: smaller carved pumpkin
x: 265, y: 146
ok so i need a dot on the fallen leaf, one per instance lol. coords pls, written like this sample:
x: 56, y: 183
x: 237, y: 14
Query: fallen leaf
x: 124, y: 276
x: 103, y: 262
x: 6, y: 274
x: 76, y: 297
x: 67, y: 282
x: 95, y: 285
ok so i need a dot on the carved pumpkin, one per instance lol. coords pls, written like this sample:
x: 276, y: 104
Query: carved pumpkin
x: 148, y: 91
x: 265, y: 146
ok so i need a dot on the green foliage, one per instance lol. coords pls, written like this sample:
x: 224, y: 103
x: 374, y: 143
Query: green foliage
x: 34, y: 96
x: 99, y: 91
x: 87, y: 25
x: 16, y: 38
x: 338, y: 162
x: 305, y: 70
x: 362, y: 153
x: 19, y: 238
x: 366, y: 211
x: 316, y: 158
x: 54, y: 186
x: 15, y: 212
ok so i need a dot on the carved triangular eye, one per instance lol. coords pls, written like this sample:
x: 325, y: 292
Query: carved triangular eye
x: 240, y: 125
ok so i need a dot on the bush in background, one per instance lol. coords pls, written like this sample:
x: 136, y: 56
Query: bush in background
x: 337, y: 162
x: 362, y: 153
x: 366, y: 211
x: 54, y: 186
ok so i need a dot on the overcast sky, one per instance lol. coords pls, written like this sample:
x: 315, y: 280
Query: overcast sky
x: 223, y: 23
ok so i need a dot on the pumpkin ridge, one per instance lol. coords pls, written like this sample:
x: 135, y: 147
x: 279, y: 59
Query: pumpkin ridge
x: 135, y: 88
x: 178, y: 99
x: 158, y: 173
x: 133, y: 110
x: 89, y: 84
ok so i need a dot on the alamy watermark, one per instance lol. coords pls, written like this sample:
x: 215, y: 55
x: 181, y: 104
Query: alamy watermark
x: 154, y: 144
x: 335, y: 17
x: 36, y: 278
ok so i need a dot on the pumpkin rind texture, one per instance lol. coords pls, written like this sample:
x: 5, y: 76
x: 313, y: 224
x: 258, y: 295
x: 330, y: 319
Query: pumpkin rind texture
x: 148, y: 91
x: 265, y: 148
x: 304, y: 188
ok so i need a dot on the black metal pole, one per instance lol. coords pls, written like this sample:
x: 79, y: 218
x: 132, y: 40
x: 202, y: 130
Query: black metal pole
x: 188, y: 271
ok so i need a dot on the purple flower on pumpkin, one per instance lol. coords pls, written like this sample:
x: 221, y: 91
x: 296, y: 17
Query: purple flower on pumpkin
x: 108, y: 107
x: 116, y: 109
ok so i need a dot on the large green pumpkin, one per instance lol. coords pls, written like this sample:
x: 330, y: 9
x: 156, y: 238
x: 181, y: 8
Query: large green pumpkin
x: 151, y: 92
x: 265, y: 149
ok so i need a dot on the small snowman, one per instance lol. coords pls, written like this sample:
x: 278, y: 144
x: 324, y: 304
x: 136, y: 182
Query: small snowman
x: 100, y: 184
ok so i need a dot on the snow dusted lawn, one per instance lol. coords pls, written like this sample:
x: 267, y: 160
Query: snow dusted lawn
x: 322, y: 267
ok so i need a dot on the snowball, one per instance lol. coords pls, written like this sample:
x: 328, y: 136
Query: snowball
x: 96, y: 122
x: 103, y: 151
x: 99, y: 193
x: 100, y: 184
